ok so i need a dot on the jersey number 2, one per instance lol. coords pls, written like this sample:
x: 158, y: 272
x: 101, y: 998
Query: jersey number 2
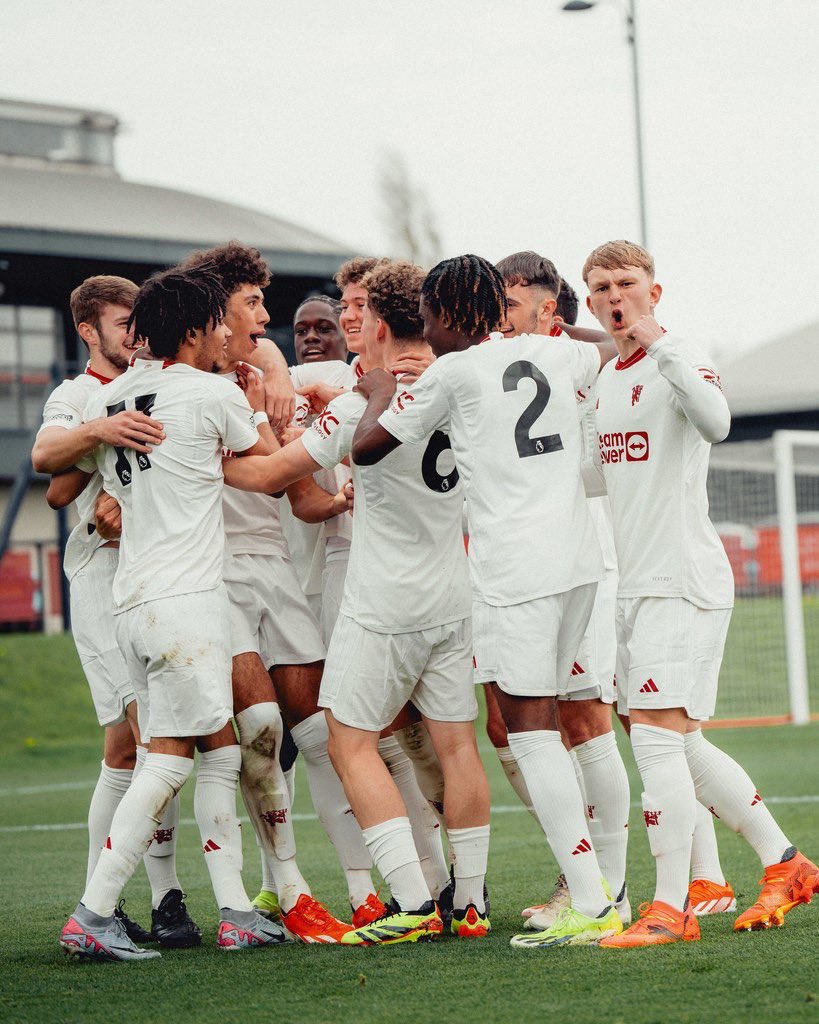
x: 142, y: 403
x: 525, y: 443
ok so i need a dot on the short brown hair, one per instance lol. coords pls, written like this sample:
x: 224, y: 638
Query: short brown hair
x: 619, y: 254
x: 234, y: 264
x: 531, y: 270
x: 393, y: 294
x: 95, y: 293
x: 354, y: 270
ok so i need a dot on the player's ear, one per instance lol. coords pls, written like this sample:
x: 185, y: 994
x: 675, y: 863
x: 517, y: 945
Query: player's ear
x: 546, y: 310
x: 87, y: 333
x: 381, y: 330
x: 590, y: 308
x: 655, y: 294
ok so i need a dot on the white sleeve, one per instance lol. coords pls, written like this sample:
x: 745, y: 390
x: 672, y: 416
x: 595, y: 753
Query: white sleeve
x: 697, y: 388
x: 417, y: 411
x: 232, y: 418
x: 64, y: 407
x: 585, y: 363
x: 330, y: 436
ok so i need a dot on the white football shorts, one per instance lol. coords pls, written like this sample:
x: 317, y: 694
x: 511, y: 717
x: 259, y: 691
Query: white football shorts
x: 529, y: 649
x: 669, y: 653
x: 369, y: 676
x: 92, y: 623
x: 178, y: 653
x: 592, y: 674
x: 269, y: 613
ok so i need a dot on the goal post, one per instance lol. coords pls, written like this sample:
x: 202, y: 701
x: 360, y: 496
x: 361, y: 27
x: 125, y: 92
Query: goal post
x: 764, y: 501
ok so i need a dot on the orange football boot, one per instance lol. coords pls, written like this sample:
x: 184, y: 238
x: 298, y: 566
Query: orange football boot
x: 784, y: 886
x: 370, y: 910
x: 706, y: 897
x: 311, y: 921
x: 659, y: 924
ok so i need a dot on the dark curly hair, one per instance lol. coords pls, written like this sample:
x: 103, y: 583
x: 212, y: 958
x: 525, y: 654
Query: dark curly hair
x: 354, y: 270
x: 172, y: 304
x: 567, y: 302
x: 393, y: 293
x: 467, y: 293
x: 234, y: 264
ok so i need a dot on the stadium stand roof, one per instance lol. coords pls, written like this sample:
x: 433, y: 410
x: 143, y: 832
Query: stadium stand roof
x: 74, y: 213
x: 780, y: 376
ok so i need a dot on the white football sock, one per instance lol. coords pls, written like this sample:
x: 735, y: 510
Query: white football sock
x: 515, y: 776
x: 607, y: 805
x: 267, y: 801
x: 333, y: 807
x: 470, y: 852
x: 290, y: 780
x: 160, y: 858
x: 704, y: 850
x: 214, y: 806
x: 416, y: 743
x: 426, y: 832
x: 550, y: 779
x: 722, y: 784
x: 669, y: 807
x: 112, y: 785
x: 135, y: 819
x: 581, y: 782
x: 394, y: 854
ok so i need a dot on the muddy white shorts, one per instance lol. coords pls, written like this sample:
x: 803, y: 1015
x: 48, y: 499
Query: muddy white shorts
x: 529, y: 649
x: 669, y: 653
x: 592, y: 674
x: 269, y: 613
x: 369, y: 676
x: 92, y: 623
x: 178, y: 654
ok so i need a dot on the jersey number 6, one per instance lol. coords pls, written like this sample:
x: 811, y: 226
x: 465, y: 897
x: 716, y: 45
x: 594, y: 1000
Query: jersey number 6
x: 438, y: 442
x: 526, y: 444
x: 142, y: 403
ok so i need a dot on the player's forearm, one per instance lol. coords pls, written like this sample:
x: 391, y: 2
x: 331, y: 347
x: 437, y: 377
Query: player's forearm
x: 66, y: 487
x: 58, y: 449
x: 700, y: 398
x: 371, y: 441
x: 311, y: 503
x: 268, y: 358
x: 269, y: 474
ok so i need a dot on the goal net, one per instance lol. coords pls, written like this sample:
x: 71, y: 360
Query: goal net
x: 771, y: 666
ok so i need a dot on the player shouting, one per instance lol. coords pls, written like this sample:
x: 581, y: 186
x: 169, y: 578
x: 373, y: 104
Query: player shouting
x: 660, y: 407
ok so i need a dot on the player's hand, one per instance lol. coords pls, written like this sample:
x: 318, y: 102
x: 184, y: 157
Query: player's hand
x: 130, y: 430
x: 290, y: 433
x: 320, y: 395
x: 344, y: 500
x: 411, y: 366
x: 251, y: 383
x: 280, y: 400
x: 645, y: 332
x: 109, y: 516
x: 376, y: 382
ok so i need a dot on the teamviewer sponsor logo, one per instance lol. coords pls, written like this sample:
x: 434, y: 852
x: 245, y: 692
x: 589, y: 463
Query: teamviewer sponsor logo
x: 631, y: 446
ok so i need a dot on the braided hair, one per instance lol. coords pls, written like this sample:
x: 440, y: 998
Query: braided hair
x: 173, y: 303
x: 467, y: 293
x: 333, y: 304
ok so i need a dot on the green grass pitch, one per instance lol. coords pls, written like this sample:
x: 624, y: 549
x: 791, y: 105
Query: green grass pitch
x: 50, y: 746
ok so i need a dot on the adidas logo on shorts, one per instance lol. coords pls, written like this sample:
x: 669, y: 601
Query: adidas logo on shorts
x: 649, y: 687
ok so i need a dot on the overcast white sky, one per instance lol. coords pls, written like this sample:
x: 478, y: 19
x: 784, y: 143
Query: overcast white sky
x: 516, y: 118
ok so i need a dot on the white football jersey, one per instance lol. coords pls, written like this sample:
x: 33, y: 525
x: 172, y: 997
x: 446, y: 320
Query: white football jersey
x: 655, y: 463
x: 408, y: 568
x: 252, y: 521
x: 173, y: 536
x: 510, y: 409
x: 64, y: 408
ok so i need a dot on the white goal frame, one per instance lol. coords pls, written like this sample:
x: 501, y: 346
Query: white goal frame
x: 784, y: 442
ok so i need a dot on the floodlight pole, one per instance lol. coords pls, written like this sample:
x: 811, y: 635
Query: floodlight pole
x: 631, y: 36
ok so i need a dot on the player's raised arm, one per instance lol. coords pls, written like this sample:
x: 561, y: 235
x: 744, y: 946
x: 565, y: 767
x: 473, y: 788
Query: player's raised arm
x: 590, y: 336
x: 696, y: 387
x: 279, y: 394
x: 372, y: 441
x: 66, y: 487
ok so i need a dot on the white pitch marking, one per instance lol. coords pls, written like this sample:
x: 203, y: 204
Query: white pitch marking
x: 70, y: 826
